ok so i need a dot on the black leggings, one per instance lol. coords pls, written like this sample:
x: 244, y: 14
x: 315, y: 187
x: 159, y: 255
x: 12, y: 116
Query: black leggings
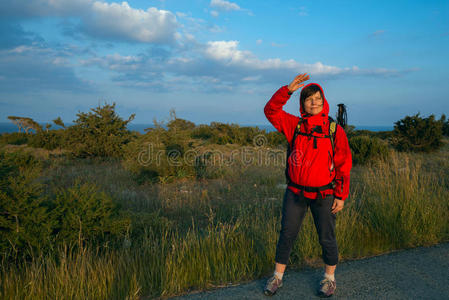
x: 294, y: 209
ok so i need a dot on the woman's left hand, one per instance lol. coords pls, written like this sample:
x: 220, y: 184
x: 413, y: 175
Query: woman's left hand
x: 338, y: 205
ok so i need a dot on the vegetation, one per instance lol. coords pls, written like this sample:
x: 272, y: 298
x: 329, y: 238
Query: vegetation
x: 99, y: 133
x: 34, y: 222
x: 417, y: 134
x: 366, y: 149
x: 80, y: 226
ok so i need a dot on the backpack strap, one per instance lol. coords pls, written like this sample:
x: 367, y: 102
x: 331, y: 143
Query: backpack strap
x: 332, y: 133
x: 290, y: 148
x: 295, y: 134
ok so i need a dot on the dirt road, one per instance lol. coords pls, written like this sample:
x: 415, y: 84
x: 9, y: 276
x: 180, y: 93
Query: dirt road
x: 420, y: 273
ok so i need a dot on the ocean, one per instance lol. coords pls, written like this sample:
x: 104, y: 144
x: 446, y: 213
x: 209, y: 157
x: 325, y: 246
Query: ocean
x: 10, y: 127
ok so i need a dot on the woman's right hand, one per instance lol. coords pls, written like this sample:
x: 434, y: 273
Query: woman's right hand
x: 296, y: 83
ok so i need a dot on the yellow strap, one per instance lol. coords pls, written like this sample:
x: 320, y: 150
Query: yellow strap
x: 332, y: 128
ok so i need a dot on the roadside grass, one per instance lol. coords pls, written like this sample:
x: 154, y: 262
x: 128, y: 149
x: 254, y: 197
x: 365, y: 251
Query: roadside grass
x: 195, y: 234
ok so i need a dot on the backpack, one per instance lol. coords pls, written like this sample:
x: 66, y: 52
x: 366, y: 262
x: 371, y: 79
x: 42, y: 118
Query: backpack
x: 331, y: 136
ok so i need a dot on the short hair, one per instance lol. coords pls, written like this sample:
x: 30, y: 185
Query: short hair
x: 309, y: 91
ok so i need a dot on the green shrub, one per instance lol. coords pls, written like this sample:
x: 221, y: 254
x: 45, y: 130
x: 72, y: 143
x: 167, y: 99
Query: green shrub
x: 351, y: 132
x: 25, y: 222
x: 83, y: 213
x: 222, y: 134
x: 417, y: 134
x: 180, y: 124
x: 275, y: 138
x: 445, y: 125
x: 49, y: 140
x: 33, y: 222
x: 100, y: 132
x: 202, y: 131
x: 159, y: 155
x: 366, y: 149
x: 14, y: 138
x: 385, y: 135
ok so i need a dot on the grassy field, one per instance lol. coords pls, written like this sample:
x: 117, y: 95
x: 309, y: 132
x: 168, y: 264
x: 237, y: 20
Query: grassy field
x: 193, y: 234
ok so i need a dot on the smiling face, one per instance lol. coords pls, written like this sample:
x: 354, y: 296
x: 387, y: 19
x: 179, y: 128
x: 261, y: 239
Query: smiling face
x: 313, y: 104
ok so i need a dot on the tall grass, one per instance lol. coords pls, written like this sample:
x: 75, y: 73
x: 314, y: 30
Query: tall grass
x: 198, y: 234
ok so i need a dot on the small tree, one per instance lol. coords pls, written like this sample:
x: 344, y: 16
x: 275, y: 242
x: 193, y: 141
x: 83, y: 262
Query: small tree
x: 417, y: 134
x: 445, y: 125
x: 58, y: 121
x: 26, y: 123
x: 100, y: 132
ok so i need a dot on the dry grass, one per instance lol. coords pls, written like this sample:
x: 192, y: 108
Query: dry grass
x: 192, y: 234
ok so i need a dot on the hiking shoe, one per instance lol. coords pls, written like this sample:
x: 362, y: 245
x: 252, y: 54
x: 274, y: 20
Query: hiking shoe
x: 272, y: 286
x: 327, y: 288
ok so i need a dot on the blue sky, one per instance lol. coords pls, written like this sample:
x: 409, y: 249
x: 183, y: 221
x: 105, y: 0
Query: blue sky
x: 221, y: 60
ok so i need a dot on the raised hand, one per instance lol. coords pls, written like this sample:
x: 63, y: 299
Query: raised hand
x: 296, y: 83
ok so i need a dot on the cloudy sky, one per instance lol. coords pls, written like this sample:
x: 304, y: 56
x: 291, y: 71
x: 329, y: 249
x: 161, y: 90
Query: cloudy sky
x: 218, y: 60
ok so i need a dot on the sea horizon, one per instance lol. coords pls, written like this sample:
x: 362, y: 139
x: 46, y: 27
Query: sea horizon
x: 140, y: 127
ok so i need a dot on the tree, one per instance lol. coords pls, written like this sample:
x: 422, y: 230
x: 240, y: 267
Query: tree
x: 26, y: 123
x: 417, y: 134
x: 176, y: 123
x: 445, y: 125
x: 58, y: 121
x: 100, y: 132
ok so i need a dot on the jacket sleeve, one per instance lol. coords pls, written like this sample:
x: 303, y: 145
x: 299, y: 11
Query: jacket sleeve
x: 281, y: 120
x: 343, y: 164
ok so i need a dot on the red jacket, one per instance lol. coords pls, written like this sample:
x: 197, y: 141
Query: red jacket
x: 309, y: 166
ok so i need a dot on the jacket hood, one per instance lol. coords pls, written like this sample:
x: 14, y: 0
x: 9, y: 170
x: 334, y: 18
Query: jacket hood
x: 320, y: 118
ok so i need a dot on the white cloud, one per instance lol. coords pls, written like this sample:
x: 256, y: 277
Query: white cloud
x: 225, y: 51
x: 111, y: 21
x: 214, y: 13
x: 224, y: 5
x: 219, y: 65
x: 39, y: 69
x: 259, y: 41
x: 120, y: 21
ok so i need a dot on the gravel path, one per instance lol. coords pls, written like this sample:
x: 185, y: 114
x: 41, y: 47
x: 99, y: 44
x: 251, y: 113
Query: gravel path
x: 420, y: 273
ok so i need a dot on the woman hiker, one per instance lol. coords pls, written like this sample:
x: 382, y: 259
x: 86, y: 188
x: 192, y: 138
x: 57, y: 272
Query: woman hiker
x: 318, y: 176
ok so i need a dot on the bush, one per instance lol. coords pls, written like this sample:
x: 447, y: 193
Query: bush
x: 33, y: 222
x: 49, y: 140
x: 275, y: 138
x: 159, y: 155
x: 202, y: 131
x: 352, y: 132
x: 14, y: 138
x: 25, y: 223
x: 100, y: 132
x: 83, y: 213
x: 180, y: 124
x: 222, y: 134
x: 366, y: 149
x: 417, y: 134
x: 445, y: 124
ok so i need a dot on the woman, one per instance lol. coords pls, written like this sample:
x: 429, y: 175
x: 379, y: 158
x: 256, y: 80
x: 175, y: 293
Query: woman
x: 318, y: 171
